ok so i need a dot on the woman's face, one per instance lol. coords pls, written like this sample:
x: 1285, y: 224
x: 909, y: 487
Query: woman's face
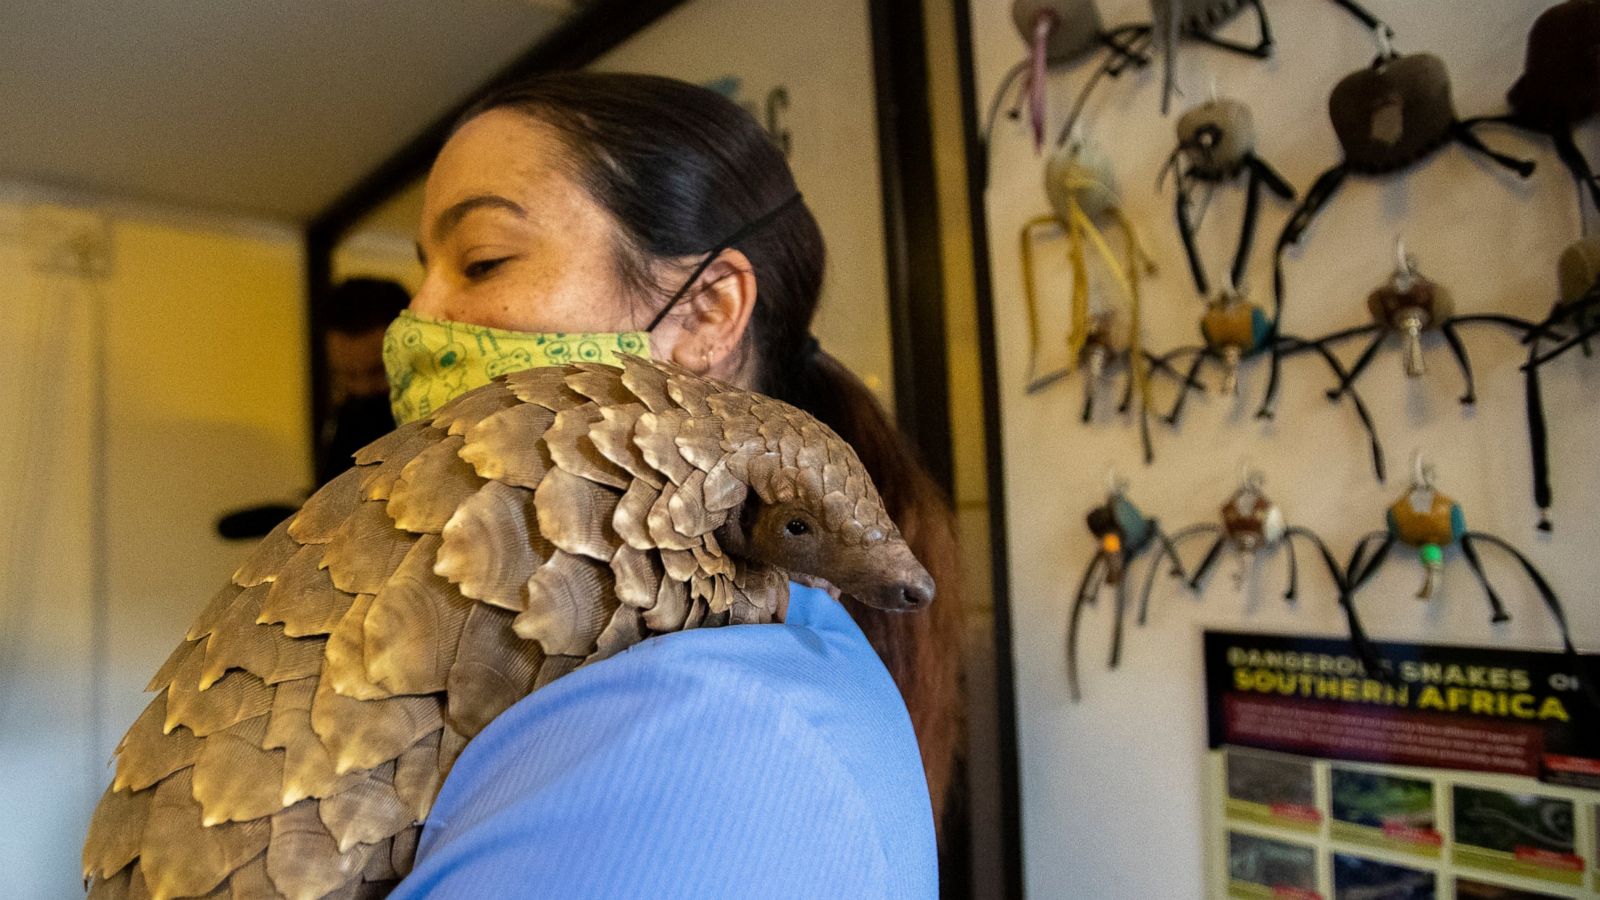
x: 509, y: 240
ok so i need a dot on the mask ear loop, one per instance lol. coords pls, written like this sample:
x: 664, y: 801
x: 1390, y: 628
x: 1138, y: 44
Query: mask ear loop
x: 711, y: 255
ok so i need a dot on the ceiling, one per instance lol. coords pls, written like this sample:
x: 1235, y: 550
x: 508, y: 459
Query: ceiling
x: 268, y: 108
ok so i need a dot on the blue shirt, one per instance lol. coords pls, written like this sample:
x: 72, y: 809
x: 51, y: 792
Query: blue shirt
x: 765, y: 761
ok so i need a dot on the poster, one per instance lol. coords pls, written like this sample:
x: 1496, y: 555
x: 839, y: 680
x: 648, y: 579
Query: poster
x: 1464, y: 772
x: 1359, y: 878
x: 1272, y: 789
x: 1525, y: 834
x: 1467, y: 889
x: 1263, y: 867
x: 1386, y: 811
x: 1513, y: 712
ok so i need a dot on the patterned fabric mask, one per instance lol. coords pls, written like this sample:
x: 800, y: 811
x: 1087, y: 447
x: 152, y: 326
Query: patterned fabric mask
x: 431, y: 362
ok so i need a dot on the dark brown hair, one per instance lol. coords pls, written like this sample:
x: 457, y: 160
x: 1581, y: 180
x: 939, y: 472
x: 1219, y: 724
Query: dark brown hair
x: 681, y: 168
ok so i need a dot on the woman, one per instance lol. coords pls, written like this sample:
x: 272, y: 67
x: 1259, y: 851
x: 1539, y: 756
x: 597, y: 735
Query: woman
x: 627, y: 211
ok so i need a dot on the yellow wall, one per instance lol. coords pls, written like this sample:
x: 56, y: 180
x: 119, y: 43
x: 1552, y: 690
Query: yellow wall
x: 205, y: 401
x: 207, y: 407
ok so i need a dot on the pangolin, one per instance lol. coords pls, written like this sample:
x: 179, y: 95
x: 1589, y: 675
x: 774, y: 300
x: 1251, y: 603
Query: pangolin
x: 549, y: 519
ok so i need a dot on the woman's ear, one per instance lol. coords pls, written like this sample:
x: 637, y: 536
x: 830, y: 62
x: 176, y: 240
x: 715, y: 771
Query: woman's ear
x: 716, y: 312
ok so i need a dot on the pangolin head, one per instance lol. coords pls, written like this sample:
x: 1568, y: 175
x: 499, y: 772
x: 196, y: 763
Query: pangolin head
x: 813, y: 510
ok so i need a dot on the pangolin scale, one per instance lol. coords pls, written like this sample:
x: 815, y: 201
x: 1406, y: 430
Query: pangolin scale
x: 552, y: 518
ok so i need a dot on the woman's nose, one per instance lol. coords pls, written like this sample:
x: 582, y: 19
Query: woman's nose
x: 429, y: 300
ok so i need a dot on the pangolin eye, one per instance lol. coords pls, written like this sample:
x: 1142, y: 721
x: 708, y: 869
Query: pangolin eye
x: 796, y: 527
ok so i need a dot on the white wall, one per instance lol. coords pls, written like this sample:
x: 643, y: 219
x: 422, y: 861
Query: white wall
x: 1112, y: 787
x: 205, y: 402
x: 47, y: 720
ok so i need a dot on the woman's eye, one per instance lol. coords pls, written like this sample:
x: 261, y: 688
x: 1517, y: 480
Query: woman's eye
x: 796, y: 527
x: 482, y: 267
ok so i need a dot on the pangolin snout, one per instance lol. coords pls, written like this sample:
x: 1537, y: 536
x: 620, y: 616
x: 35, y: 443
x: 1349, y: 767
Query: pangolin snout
x: 910, y: 589
x: 918, y: 592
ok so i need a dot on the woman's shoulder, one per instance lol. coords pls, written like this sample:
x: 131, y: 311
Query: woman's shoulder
x: 817, y: 665
x: 817, y: 662
x: 789, y: 739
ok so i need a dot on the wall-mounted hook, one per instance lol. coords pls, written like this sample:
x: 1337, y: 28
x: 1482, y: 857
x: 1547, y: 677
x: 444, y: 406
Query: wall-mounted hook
x: 1383, y: 36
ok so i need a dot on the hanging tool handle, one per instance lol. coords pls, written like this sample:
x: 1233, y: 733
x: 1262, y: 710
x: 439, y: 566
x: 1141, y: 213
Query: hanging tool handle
x: 1432, y: 557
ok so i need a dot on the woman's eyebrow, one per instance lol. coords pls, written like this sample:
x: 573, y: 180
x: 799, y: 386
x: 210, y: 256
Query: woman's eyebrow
x: 453, y: 214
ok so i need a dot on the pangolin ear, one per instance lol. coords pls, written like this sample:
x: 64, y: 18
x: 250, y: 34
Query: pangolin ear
x: 734, y: 534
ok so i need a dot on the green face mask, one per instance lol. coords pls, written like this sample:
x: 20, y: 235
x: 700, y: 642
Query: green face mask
x: 431, y: 362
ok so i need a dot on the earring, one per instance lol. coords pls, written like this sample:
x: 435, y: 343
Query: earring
x: 705, y: 359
